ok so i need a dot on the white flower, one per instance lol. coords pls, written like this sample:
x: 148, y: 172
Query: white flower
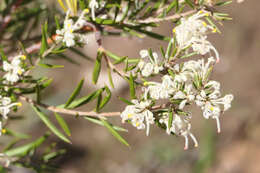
x: 154, y: 90
x: 193, y: 32
x: 203, y: 46
x: 199, y: 68
x: 93, y: 4
x: 6, y: 106
x: 13, y: 69
x: 144, y: 53
x: 211, y: 103
x: 162, y: 90
x: 138, y: 114
x: 149, y: 68
x: 180, y: 126
x: 186, y: 95
x: 168, y: 87
x: 67, y: 33
x: 212, y: 111
x: 181, y: 74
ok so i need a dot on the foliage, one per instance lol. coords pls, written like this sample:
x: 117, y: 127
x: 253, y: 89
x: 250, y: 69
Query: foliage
x: 66, y: 27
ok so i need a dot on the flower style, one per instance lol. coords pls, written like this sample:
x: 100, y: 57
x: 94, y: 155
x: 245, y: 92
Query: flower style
x: 149, y: 68
x: 93, y: 4
x: 180, y: 126
x: 67, y: 33
x: 193, y: 32
x: 13, y: 69
x: 137, y: 114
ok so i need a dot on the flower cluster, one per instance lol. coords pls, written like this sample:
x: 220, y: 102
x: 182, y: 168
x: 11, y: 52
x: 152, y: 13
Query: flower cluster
x: 14, y: 72
x: 6, y: 105
x: 182, y: 84
x: 68, y: 34
x: 193, y: 32
x: 13, y: 69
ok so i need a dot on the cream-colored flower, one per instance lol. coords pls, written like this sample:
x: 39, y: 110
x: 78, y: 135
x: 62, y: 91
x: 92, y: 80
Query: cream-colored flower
x: 138, y: 114
x: 13, y: 69
x: 67, y: 33
x: 181, y: 126
x: 151, y: 67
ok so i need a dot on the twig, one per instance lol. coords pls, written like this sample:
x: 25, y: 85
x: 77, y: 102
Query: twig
x: 68, y: 111
x: 173, y: 17
x: 79, y: 113
x: 112, y: 67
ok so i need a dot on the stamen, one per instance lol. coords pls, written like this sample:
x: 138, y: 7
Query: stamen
x: 218, y: 124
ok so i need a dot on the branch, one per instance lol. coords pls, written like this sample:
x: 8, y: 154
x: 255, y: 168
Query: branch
x: 79, y: 113
x: 67, y: 111
x: 173, y: 17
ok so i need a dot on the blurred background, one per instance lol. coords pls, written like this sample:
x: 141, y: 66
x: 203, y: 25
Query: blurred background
x: 235, y: 150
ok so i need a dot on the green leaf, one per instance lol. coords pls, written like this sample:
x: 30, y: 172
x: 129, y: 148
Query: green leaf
x: 23, y: 150
x: 188, y: 55
x: 63, y: 124
x: 99, y: 122
x: 110, y: 77
x: 106, y: 99
x: 114, y: 132
x: 49, y: 124
x: 75, y: 93
x: 162, y: 51
x: 44, y: 43
x: 120, y: 60
x: 16, y: 134
x: 169, y: 49
x: 170, y: 119
x: 189, y: 3
x: 50, y: 65
x: 171, y: 6
x: 2, y: 54
x: 52, y: 155
x: 125, y: 100
x: 223, y: 3
x: 99, y: 99
x: 177, y: 5
x: 97, y: 67
x: 57, y: 21
x: 132, y: 86
x: 83, y: 100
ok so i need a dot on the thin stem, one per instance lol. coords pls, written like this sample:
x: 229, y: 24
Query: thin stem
x: 68, y: 111
x: 173, y: 17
